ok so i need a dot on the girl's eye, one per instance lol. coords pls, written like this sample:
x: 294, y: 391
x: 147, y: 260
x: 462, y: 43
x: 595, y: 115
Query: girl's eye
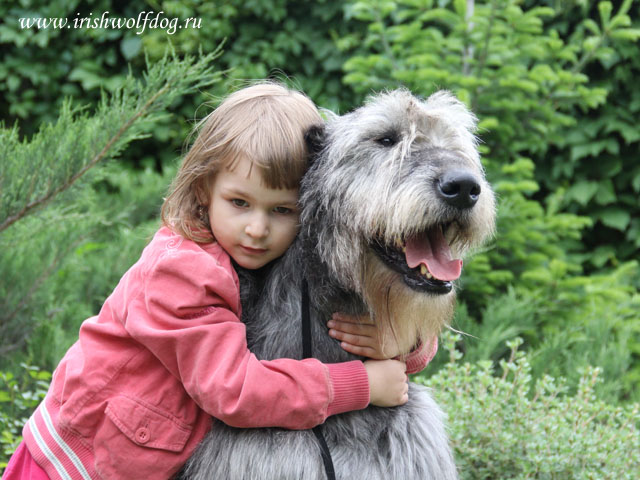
x: 283, y: 210
x: 239, y: 202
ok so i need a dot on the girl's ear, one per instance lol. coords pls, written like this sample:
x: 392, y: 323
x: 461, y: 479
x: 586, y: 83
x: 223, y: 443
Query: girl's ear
x: 202, y: 190
x: 315, y: 137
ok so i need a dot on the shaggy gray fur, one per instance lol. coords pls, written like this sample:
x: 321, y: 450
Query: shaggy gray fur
x: 360, y: 189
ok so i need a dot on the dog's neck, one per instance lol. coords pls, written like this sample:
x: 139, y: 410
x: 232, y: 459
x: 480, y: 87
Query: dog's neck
x: 326, y: 294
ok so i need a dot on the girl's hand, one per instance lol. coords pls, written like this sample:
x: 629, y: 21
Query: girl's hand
x: 359, y: 336
x: 388, y: 382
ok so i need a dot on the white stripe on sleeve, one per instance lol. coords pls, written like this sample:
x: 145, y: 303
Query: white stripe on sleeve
x: 66, y: 448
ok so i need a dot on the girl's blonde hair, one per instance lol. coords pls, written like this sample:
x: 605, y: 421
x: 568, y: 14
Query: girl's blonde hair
x: 264, y: 123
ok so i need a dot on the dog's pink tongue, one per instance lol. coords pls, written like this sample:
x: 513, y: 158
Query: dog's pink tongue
x: 432, y: 249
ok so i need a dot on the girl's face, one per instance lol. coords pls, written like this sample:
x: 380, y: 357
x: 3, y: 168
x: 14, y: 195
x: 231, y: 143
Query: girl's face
x: 253, y: 223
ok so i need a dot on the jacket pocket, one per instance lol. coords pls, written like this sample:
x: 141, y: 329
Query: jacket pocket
x: 137, y: 440
x: 146, y: 425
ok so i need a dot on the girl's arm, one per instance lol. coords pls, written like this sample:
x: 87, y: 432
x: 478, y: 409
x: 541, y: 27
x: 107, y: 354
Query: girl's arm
x: 187, y: 315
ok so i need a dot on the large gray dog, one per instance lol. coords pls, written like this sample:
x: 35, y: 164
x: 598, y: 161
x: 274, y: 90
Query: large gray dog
x: 394, y: 197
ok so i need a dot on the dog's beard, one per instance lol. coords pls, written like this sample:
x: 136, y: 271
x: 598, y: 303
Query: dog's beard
x: 411, y: 317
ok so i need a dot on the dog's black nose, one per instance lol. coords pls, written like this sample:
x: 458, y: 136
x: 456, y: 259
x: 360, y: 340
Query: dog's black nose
x: 459, y: 189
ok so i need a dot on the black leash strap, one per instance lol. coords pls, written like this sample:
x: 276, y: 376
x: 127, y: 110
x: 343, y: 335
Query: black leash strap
x: 326, y: 454
x: 307, y: 345
x: 307, y: 352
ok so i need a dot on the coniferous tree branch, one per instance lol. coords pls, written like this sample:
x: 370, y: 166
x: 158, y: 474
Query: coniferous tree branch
x: 27, y: 208
x: 49, y: 173
x: 61, y: 154
x: 48, y: 271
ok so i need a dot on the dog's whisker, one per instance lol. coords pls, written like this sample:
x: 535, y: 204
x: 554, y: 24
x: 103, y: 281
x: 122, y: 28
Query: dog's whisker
x: 460, y: 332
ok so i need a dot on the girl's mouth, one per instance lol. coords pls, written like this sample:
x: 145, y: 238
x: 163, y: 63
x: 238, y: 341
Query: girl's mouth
x: 253, y: 251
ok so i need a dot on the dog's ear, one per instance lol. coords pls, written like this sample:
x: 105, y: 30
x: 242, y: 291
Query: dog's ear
x: 314, y: 138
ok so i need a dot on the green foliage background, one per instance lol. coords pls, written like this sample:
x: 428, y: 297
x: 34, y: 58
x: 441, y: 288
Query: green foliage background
x: 552, y: 82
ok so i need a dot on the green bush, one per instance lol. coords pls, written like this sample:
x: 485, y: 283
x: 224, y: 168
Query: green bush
x: 568, y: 323
x: 505, y: 425
x: 594, y: 160
x: 40, y: 68
x: 529, y: 84
x: 61, y: 207
x: 19, y: 395
x: 85, y: 256
x: 282, y: 38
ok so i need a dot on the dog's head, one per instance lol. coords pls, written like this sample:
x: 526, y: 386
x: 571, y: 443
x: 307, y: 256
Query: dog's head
x: 394, y: 198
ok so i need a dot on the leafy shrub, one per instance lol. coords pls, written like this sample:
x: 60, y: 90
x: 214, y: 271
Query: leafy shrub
x: 504, y: 426
x: 594, y: 159
x: 57, y: 202
x: 19, y: 396
x: 568, y: 322
x: 529, y: 85
x: 282, y: 38
x: 508, y: 426
x: 93, y: 251
x: 40, y: 68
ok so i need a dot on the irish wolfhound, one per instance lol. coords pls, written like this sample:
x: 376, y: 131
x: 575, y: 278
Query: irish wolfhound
x: 394, y: 197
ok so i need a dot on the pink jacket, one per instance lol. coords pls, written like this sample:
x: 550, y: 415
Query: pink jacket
x: 134, y: 395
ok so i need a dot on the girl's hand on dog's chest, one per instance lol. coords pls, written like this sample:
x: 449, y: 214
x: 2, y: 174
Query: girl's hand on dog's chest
x: 359, y: 336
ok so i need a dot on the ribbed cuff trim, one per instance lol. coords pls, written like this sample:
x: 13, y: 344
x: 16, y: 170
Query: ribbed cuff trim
x: 350, y: 384
x: 419, y: 358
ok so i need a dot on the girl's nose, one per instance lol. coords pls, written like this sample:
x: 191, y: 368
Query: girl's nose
x: 258, y: 226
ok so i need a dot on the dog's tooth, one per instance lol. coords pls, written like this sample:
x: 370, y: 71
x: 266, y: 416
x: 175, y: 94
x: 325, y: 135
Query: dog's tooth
x: 399, y: 242
x: 423, y: 269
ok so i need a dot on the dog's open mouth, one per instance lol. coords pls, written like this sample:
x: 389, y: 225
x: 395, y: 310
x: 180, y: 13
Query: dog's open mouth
x: 424, y: 260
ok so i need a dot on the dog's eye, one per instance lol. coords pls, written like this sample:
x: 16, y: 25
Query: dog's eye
x: 387, y: 140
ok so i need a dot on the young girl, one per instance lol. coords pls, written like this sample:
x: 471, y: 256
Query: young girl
x: 134, y: 395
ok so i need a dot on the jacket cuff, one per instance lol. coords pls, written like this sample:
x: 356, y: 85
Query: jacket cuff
x: 350, y: 386
x: 420, y: 357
